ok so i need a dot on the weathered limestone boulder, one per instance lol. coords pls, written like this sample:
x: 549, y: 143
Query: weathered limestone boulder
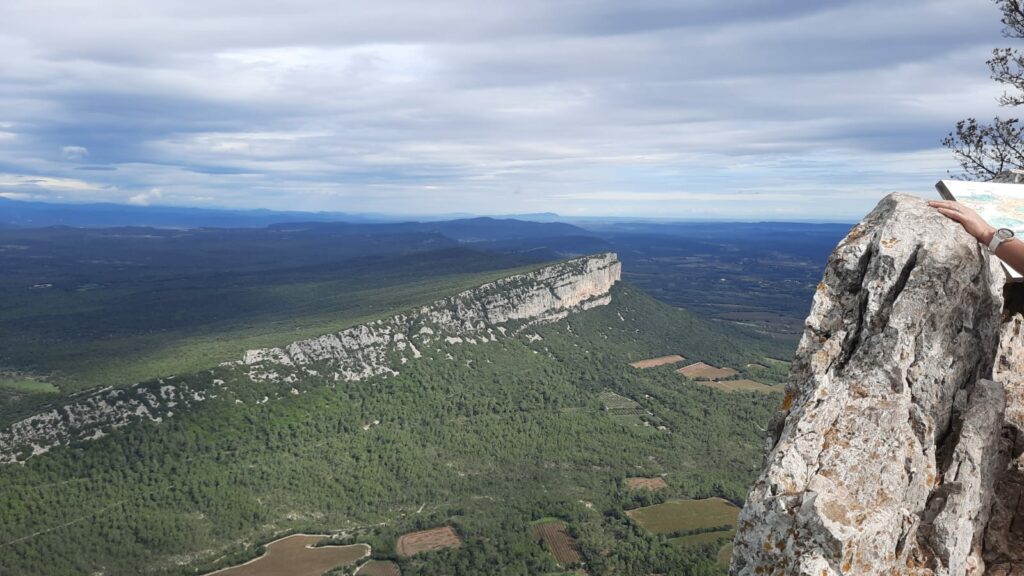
x: 884, y: 455
x: 1004, y: 537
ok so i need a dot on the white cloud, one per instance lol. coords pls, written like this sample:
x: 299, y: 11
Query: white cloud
x: 74, y: 152
x: 46, y: 183
x: 146, y: 198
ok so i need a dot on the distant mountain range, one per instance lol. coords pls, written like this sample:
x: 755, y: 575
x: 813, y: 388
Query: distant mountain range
x: 23, y: 214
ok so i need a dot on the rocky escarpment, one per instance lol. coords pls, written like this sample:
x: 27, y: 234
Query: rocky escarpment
x: 505, y: 308
x: 482, y: 314
x: 893, y: 450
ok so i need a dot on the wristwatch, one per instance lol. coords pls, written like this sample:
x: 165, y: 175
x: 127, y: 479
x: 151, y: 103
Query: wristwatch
x: 1001, y: 235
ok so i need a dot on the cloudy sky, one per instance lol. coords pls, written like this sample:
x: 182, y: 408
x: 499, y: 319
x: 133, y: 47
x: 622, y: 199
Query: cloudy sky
x: 773, y: 109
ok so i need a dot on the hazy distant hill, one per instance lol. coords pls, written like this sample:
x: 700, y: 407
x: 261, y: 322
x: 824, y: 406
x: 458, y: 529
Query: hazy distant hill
x: 481, y: 229
x: 26, y: 214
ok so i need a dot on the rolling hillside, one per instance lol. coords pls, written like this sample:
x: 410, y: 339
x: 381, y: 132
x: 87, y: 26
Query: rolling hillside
x: 485, y: 438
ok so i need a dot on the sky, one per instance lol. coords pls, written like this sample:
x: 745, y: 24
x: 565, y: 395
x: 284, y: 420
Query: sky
x: 746, y: 109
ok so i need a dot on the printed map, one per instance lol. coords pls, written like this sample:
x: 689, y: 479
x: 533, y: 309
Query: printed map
x: 1001, y: 205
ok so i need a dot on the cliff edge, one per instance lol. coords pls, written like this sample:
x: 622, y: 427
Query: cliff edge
x: 505, y: 308
x: 896, y: 447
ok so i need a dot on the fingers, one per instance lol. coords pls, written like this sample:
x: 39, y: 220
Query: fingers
x: 951, y: 213
x: 948, y: 204
x: 952, y: 208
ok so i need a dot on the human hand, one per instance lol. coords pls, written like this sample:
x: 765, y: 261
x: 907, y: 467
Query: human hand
x: 969, y: 219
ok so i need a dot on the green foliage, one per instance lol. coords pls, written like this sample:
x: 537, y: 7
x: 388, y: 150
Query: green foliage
x: 985, y: 150
x: 153, y: 311
x: 503, y: 434
x: 27, y: 385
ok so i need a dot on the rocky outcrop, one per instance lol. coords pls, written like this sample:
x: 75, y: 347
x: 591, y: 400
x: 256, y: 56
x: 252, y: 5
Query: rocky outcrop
x: 501, y: 309
x: 889, y: 454
x: 1004, y: 536
x: 482, y: 314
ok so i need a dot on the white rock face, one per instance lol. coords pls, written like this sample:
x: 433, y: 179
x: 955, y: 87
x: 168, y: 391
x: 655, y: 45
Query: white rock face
x: 885, y: 454
x: 478, y: 315
x: 500, y: 309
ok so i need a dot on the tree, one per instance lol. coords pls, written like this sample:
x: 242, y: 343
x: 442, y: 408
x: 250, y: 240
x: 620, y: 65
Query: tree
x: 985, y: 150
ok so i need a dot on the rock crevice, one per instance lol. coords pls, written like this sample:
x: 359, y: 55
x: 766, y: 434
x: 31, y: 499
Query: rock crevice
x: 891, y: 450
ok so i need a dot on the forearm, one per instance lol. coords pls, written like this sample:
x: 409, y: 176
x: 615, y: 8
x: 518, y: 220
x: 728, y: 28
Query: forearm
x: 1012, y: 252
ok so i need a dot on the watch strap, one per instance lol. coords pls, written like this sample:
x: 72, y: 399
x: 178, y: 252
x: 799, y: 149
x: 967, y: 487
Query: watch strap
x: 999, y: 237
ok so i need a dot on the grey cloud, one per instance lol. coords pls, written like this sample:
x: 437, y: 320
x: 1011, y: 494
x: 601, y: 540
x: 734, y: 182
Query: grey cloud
x: 333, y: 105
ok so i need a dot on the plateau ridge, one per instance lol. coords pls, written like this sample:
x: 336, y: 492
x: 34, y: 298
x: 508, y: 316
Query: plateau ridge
x: 505, y: 308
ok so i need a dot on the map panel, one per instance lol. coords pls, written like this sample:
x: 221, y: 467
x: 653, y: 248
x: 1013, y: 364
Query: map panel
x: 1000, y: 204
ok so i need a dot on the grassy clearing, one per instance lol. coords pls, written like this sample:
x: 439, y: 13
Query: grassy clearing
x: 27, y: 385
x: 683, y: 515
x: 702, y: 538
x: 725, y: 554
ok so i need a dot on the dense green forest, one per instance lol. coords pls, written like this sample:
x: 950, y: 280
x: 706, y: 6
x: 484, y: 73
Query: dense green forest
x: 111, y: 307
x: 501, y: 434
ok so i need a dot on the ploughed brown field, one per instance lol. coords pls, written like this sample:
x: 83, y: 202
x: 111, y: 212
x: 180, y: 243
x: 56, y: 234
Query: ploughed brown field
x: 426, y: 540
x: 294, y: 555
x: 559, y: 543
x: 656, y: 483
x: 379, y: 568
x: 744, y: 386
x: 659, y: 361
x: 702, y: 370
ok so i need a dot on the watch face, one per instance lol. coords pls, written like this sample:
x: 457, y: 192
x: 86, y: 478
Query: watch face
x: 1004, y: 234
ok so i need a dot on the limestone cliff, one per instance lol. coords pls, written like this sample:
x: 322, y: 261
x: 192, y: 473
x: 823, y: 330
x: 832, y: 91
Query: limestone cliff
x: 481, y: 314
x: 505, y: 308
x: 891, y: 453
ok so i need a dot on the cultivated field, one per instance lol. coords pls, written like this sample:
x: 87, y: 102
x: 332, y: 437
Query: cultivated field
x: 379, y: 568
x: 621, y: 409
x: 656, y: 483
x: 627, y: 411
x: 725, y: 554
x: 659, y: 361
x: 427, y: 540
x: 702, y: 538
x: 702, y: 370
x: 682, y: 515
x: 743, y: 386
x: 559, y: 543
x: 295, y: 556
